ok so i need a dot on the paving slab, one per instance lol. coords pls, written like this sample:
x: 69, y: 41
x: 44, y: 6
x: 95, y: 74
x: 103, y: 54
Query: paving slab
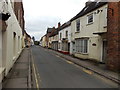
x: 18, y: 77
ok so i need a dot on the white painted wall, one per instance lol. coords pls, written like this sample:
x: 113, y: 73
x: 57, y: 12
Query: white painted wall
x: 0, y: 48
x: 63, y: 32
x: 44, y: 41
x: 100, y: 21
x: 13, y: 26
x: 2, y: 9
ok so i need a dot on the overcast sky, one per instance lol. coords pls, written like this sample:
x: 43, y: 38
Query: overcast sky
x: 41, y: 14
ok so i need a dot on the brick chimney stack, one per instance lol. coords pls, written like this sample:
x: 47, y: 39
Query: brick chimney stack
x: 59, y: 24
x: 88, y: 2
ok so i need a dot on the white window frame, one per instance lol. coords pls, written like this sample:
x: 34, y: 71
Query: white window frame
x: 88, y: 18
x: 60, y: 35
x: 78, y: 25
x: 81, y: 47
x: 66, y: 33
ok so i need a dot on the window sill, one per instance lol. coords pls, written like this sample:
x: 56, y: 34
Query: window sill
x: 82, y: 53
x: 104, y: 26
x: 89, y: 23
x: 77, y: 32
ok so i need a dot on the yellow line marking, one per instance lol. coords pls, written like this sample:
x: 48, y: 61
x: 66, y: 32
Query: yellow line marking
x: 85, y: 70
x: 57, y: 56
x: 88, y: 71
x: 37, y: 85
x: 69, y: 62
x: 36, y: 80
x: 77, y: 66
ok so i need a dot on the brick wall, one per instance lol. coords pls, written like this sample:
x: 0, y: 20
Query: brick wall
x: 113, y: 36
x: 19, y: 12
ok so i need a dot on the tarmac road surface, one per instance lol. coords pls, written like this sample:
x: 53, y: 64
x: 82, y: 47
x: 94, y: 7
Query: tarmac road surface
x: 52, y: 71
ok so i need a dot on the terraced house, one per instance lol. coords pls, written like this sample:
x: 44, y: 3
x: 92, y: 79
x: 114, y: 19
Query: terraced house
x: 65, y: 38
x: 11, y: 34
x: 88, y: 29
x: 92, y: 33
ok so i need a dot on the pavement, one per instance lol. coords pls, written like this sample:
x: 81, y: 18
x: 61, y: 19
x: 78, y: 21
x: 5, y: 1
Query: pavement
x: 19, y: 75
x: 97, y: 68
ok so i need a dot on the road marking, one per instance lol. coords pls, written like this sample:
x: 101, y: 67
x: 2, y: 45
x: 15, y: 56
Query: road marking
x: 77, y: 66
x: 88, y: 71
x: 57, y: 56
x: 69, y: 62
x: 34, y: 69
x: 37, y: 85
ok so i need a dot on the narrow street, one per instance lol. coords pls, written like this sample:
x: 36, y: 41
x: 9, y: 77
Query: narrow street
x: 52, y: 71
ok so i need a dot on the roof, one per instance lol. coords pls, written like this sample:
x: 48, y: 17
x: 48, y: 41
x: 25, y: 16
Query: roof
x: 54, y: 33
x: 88, y: 8
x: 49, y: 30
x: 65, y: 25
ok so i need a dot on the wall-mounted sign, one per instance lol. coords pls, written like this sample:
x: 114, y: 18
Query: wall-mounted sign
x: 94, y: 44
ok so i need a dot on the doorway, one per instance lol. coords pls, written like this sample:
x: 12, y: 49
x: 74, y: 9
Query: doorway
x: 104, y: 53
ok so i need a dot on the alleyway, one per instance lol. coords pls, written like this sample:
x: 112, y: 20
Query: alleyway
x: 51, y: 71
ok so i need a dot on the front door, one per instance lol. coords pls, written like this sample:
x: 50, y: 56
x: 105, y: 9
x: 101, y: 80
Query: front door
x: 104, y: 51
x: 68, y: 47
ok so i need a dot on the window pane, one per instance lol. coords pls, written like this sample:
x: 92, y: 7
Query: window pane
x: 78, y: 25
x: 81, y: 46
x: 85, y: 46
x: 90, y: 18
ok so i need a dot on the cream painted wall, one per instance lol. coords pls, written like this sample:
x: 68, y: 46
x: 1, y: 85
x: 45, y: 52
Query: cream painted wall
x: 100, y: 21
x: 44, y: 41
x: 0, y: 48
x: 53, y: 38
x: 8, y: 40
x: 63, y: 33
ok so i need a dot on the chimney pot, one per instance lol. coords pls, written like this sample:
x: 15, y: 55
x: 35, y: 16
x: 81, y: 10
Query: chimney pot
x: 88, y: 2
x: 59, y: 24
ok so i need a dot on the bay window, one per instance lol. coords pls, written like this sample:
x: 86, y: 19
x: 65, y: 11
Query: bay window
x: 82, y: 45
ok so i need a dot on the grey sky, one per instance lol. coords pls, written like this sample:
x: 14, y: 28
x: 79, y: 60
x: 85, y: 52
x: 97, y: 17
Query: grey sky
x: 40, y: 14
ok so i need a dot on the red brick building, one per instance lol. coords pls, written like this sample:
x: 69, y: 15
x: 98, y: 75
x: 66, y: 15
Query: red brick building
x: 19, y: 12
x: 113, y: 36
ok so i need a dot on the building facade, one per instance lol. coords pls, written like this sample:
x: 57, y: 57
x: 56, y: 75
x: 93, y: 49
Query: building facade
x: 65, y: 38
x: 54, y: 40
x: 48, y: 33
x: 86, y: 27
x: 43, y: 41
x: 11, y: 36
x: 94, y: 33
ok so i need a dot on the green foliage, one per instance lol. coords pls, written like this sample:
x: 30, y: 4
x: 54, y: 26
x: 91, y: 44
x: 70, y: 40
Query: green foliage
x: 36, y: 42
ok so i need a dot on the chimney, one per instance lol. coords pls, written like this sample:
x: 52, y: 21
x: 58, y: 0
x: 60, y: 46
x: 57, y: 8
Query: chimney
x: 88, y: 2
x: 59, y: 24
x: 53, y: 27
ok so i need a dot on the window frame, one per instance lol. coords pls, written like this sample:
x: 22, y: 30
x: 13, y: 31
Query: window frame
x: 82, y: 46
x: 88, y: 18
x: 78, y: 25
x: 60, y: 36
x: 66, y: 33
